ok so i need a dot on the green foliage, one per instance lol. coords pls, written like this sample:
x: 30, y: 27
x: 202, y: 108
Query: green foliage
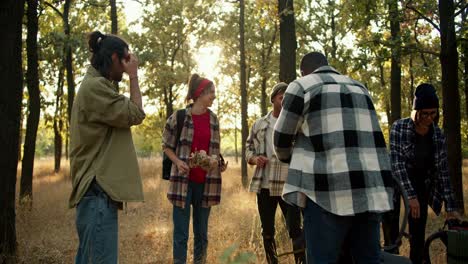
x: 232, y: 256
x: 171, y: 29
x: 147, y: 136
x: 464, y: 136
x: 44, y: 141
x: 355, y: 35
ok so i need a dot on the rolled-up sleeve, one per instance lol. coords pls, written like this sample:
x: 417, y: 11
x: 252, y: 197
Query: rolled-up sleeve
x: 105, y: 105
x: 288, y: 122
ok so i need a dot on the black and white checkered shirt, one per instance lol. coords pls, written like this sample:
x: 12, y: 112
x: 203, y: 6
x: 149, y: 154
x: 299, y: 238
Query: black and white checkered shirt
x: 328, y: 130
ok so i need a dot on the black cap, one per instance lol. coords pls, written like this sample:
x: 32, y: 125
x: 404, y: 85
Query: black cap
x: 425, y: 97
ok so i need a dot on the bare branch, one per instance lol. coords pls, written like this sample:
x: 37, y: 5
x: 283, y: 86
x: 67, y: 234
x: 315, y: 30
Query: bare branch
x: 462, y: 9
x: 54, y: 8
x: 423, y: 16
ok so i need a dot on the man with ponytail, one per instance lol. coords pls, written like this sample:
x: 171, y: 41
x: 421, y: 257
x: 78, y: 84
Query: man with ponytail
x: 192, y: 186
x: 103, y: 163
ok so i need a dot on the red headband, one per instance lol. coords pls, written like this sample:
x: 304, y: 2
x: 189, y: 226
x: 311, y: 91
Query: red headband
x: 200, y: 88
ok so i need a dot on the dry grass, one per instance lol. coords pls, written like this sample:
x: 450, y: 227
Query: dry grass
x: 46, y: 233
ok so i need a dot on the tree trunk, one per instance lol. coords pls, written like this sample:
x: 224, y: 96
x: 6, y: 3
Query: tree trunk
x: 451, y: 96
x: 113, y: 15
x: 263, y: 97
x: 411, y: 91
x: 20, y: 137
x: 168, y: 98
x: 395, y: 71
x: 58, y: 122
x: 288, y: 43
x: 11, y: 78
x: 387, y: 105
x: 334, y: 47
x: 236, y: 149
x: 465, y: 74
x: 266, y: 60
x: 243, y: 88
x: 32, y: 79
x: 67, y: 140
x: 68, y: 58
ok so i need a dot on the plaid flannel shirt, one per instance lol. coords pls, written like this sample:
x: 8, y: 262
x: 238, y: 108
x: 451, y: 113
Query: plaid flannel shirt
x: 178, y: 182
x: 255, y: 146
x: 402, y: 156
x: 329, y: 130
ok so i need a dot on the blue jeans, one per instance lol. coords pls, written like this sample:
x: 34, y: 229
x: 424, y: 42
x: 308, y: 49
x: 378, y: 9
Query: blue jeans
x: 181, y: 220
x: 325, y: 233
x: 97, y: 226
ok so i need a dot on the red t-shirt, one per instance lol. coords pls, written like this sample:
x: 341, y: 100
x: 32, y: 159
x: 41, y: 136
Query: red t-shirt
x: 201, y: 141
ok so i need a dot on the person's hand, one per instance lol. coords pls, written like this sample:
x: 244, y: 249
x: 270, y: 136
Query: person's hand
x: 213, y: 163
x: 182, y: 167
x: 130, y: 65
x: 223, y: 167
x: 414, y: 208
x: 453, y: 215
x: 260, y: 161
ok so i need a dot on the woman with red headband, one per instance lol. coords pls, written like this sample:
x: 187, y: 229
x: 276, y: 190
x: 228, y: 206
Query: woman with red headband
x: 193, y: 185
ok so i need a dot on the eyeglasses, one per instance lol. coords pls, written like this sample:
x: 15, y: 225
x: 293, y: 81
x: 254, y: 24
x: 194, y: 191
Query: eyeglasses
x: 425, y: 114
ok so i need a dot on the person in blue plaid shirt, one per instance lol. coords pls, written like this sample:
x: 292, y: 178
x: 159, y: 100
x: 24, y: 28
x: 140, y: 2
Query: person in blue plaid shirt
x: 419, y: 160
x: 339, y: 170
x: 268, y: 180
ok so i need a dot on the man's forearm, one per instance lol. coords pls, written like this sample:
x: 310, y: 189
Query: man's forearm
x: 135, y: 93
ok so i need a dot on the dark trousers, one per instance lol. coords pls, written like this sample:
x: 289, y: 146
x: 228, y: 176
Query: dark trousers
x: 391, y: 224
x: 267, y: 209
x: 417, y: 230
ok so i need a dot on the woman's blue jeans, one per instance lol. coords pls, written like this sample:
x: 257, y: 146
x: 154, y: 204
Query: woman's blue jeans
x: 97, y: 226
x: 325, y: 233
x: 181, y: 220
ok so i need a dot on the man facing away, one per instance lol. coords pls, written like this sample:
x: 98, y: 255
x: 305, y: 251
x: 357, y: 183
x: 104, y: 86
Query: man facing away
x: 268, y: 180
x: 103, y: 163
x: 339, y: 168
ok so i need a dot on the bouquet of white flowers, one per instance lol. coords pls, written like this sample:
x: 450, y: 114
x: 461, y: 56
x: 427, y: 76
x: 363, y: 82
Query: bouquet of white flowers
x: 202, y: 159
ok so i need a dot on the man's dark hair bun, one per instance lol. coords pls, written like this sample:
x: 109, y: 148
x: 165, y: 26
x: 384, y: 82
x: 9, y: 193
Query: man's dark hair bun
x: 95, y: 40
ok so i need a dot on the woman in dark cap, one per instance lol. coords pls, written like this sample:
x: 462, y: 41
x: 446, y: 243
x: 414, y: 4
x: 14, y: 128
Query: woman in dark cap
x: 419, y: 160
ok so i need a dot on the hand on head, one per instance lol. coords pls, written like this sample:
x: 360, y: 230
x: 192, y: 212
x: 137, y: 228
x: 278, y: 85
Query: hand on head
x: 130, y: 65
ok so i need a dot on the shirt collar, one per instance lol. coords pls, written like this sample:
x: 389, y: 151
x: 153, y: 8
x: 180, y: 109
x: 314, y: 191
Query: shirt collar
x: 326, y: 69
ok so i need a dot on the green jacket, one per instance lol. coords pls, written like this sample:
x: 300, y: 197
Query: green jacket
x: 101, y: 144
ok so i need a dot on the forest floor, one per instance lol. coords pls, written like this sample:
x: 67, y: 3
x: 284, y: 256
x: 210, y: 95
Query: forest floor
x: 46, y: 231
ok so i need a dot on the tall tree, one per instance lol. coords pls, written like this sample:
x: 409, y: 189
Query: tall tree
x: 68, y: 57
x: 464, y: 49
x: 58, y: 121
x: 395, y: 72
x: 34, y: 107
x: 243, y: 89
x: 451, y: 95
x: 66, y: 64
x: 11, y: 77
x: 113, y: 16
x: 288, y: 45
